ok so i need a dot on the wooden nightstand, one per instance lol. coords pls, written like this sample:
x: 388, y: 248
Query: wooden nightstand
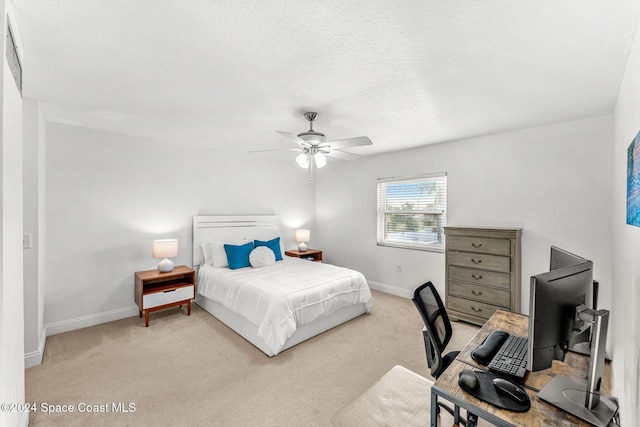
x: 155, y: 290
x: 310, y: 254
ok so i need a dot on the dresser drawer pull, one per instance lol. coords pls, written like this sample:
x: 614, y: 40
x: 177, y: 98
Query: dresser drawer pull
x: 476, y: 245
x: 476, y: 276
x: 170, y: 290
x: 473, y: 291
x: 476, y: 309
x: 476, y: 261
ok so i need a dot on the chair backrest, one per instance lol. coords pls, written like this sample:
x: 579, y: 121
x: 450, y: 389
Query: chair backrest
x: 436, y: 322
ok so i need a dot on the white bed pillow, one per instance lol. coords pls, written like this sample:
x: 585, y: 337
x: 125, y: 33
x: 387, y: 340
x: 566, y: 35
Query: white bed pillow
x: 207, y: 253
x: 262, y: 256
x: 214, y: 253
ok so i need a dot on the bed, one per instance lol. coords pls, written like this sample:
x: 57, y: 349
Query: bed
x: 276, y: 306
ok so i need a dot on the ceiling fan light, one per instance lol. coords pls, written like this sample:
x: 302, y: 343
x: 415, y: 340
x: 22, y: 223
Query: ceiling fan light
x: 320, y: 159
x: 303, y: 160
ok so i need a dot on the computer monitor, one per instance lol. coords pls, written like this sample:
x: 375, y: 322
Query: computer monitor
x: 552, y: 313
x: 560, y: 258
x: 558, y: 313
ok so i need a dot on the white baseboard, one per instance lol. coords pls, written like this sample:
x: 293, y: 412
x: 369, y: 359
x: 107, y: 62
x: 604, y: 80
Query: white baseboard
x: 393, y: 290
x: 34, y: 358
x: 91, y: 320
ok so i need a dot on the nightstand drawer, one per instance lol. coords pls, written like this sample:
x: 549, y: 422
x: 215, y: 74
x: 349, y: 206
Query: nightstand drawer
x: 167, y: 297
x: 480, y: 261
x: 479, y: 244
x: 480, y: 293
x: 478, y: 276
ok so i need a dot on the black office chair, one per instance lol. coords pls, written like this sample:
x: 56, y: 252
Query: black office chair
x: 437, y: 332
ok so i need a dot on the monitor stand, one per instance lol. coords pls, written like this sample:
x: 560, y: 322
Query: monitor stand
x: 585, y: 348
x: 570, y: 396
x: 582, y: 343
x: 585, y: 401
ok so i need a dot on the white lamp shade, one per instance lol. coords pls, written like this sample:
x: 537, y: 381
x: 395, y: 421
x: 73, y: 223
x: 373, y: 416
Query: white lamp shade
x: 303, y: 236
x: 303, y: 160
x: 320, y: 159
x: 164, y: 248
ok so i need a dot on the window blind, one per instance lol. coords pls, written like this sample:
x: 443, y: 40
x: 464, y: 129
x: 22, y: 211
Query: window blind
x: 412, y: 211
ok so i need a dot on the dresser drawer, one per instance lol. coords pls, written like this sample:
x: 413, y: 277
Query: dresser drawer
x: 480, y: 261
x: 481, y: 293
x: 167, y: 297
x: 480, y: 245
x: 473, y: 308
x: 481, y: 277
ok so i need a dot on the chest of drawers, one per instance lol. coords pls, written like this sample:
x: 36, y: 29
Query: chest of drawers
x: 482, y: 272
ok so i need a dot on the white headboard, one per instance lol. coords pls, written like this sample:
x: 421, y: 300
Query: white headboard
x: 221, y: 228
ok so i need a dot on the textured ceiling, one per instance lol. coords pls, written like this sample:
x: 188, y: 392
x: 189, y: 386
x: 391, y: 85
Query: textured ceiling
x: 228, y: 73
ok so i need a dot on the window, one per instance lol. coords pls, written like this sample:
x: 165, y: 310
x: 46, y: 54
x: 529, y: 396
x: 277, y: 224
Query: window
x: 412, y: 211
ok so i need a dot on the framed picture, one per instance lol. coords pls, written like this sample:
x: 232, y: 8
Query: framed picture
x: 633, y: 182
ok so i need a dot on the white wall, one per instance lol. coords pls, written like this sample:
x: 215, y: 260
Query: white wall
x: 108, y: 196
x: 625, y: 325
x: 11, y: 285
x: 553, y: 181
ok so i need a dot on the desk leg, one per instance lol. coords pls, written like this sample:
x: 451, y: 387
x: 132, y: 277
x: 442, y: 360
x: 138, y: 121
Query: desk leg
x: 434, y: 409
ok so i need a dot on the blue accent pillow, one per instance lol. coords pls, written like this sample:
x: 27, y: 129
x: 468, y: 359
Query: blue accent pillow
x: 273, y: 244
x: 238, y: 256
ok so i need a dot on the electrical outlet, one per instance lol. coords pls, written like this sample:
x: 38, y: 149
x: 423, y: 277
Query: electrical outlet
x: 398, y: 269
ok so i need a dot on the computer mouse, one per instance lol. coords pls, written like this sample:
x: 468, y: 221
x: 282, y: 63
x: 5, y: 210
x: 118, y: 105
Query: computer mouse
x: 468, y: 379
x: 510, y: 389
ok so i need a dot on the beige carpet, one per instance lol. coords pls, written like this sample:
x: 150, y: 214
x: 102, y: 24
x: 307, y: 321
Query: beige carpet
x: 400, y: 398
x: 193, y: 370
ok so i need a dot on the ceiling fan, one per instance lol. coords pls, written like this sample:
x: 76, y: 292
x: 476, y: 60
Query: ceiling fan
x: 314, y: 147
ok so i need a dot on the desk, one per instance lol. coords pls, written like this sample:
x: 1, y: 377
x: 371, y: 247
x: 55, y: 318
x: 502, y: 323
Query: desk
x: 541, y: 412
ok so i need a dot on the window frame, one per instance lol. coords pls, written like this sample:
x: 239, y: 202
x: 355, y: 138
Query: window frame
x: 383, y: 210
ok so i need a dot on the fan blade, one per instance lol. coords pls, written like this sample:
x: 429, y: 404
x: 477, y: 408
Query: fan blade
x: 349, y: 142
x: 343, y: 155
x: 294, y: 138
x: 275, y: 149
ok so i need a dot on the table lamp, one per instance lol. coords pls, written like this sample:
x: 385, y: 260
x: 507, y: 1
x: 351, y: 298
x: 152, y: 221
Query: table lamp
x: 302, y: 237
x: 165, y: 249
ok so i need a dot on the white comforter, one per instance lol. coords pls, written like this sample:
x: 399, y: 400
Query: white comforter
x: 281, y: 297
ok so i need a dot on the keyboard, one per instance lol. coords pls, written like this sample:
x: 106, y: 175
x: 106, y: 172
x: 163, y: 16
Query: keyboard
x: 511, y: 358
